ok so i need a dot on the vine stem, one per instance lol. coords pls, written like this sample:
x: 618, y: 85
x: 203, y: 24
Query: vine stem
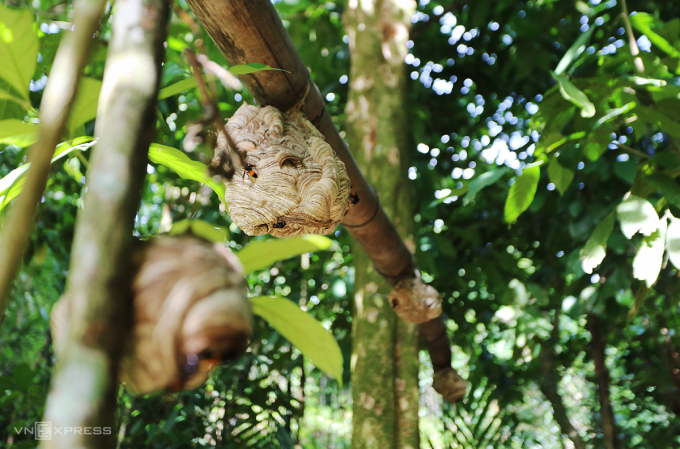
x: 634, y: 50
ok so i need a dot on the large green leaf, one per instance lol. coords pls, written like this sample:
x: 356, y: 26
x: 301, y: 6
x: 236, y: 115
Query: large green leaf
x: 637, y: 214
x: 303, y: 331
x: 482, y: 181
x: 261, y: 254
x: 177, y: 88
x: 596, y: 246
x: 649, y: 258
x: 559, y: 175
x: 251, y: 67
x: 574, y: 51
x: 85, y: 105
x: 522, y: 192
x: 184, y: 167
x: 13, y: 182
x: 673, y: 242
x: 16, y: 132
x: 18, y: 48
x: 573, y: 94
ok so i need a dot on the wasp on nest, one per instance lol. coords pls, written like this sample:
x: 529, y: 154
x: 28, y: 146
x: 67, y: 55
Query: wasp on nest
x: 291, y: 181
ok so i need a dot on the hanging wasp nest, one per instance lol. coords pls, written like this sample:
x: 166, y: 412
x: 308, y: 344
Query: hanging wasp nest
x: 415, y: 301
x: 191, y: 312
x: 290, y: 182
x: 449, y: 384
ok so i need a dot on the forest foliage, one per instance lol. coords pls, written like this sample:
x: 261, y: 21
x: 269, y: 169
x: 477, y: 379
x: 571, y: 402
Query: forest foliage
x: 544, y: 167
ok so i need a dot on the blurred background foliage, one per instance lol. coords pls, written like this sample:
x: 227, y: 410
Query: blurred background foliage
x: 544, y: 325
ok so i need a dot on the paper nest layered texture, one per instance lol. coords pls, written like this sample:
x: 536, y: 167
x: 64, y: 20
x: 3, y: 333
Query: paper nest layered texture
x: 415, y: 301
x: 292, y: 182
x: 191, y: 312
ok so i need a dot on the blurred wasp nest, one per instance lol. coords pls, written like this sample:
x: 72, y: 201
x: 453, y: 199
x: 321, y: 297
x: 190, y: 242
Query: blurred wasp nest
x: 191, y: 312
x: 415, y: 301
x: 290, y: 182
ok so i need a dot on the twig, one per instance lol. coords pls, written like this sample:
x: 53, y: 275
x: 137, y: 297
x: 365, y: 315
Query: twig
x: 634, y: 50
x: 99, y: 291
x: 632, y: 150
x: 55, y: 108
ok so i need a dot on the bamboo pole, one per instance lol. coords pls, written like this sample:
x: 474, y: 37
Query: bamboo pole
x: 99, y: 293
x: 251, y: 31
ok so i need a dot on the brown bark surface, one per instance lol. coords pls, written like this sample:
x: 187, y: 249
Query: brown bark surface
x: 84, y: 388
x: 597, y: 348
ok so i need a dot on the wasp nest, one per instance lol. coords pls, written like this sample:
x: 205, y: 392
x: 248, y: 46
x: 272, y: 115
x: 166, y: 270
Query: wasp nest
x: 291, y: 182
x: 415, y: 301
x: 191, y: 312
x: 449, y: 384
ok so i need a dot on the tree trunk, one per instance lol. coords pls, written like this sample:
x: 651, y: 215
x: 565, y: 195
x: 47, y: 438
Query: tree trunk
x: 597, y: 347
x: 549, y: 381
x: 385, y: 356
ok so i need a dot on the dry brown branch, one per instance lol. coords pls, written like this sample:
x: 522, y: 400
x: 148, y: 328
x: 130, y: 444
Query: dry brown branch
x: 251, y: 31
x: 83, y: 393
x: 55, y: 108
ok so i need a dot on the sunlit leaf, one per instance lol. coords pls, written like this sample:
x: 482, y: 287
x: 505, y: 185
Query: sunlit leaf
x: 522, y: 192
x: 637, y: 214
x: 574, y: 95
x: 85, y: 105
x: 177, y: 88
x: 17, y: 132
x: 559, y: 175
x: 8, y: 96
x: 18, y: 48
x: 649, y: 258
x: 303, y: 331
x: 263, y: 253
x: 596, y: 246
x: 186, y: 168
x: 673, y: 242
x: 13, y: 182
x: 251, y: 67
x: 482, y: 181
x: 200, y: 228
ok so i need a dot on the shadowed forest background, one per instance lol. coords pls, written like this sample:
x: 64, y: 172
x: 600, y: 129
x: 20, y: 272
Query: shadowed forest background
x: 543, y: 145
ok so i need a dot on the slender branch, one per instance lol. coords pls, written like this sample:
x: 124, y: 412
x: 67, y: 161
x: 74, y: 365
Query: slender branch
x: 632, y: 151
x: 55, y: 108
x: 634, y: 50
x: 99, y: 294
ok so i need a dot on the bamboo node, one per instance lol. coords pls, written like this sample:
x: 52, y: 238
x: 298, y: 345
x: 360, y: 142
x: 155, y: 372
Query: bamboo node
x: 291, y: 183
x: 415, y: 301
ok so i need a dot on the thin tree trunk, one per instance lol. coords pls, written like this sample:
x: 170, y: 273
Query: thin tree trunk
x: 597, y: 347
x: 83, y: 395
x: 385, y: 357
x: 548, y: 385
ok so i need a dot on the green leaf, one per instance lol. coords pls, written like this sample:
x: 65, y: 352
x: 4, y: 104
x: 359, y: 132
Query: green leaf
x: 85, y: 105
x: 482, y: 181
x: 522, y: 192
x: 303, y: 331
x: 18, y: 48
x: 649, y: 258
x: 659, y: 119
x: 185, y: 167
x: 644, y: 23
x: 177, y: 88
x: 673, y: 242
x: 637, y: 214
x: 573, y: 94
x: 202, y: 229
x: 17, y: 132
x: 559, y: 175
x: 262, y: 253
x: 251, y: 67
x: 574, y: 51
x: 640, y: 297
x: 8, y: 96
x: 596, y: 247
x: 13, y: 182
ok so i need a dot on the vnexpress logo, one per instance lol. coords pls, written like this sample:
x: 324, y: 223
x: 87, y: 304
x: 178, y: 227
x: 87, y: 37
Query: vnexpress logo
x: 45, y: 430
